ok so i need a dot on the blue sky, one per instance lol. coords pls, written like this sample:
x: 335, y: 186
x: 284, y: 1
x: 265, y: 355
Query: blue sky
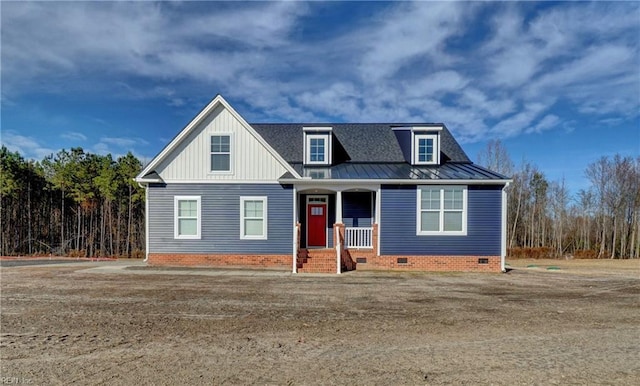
x: 558, y: 83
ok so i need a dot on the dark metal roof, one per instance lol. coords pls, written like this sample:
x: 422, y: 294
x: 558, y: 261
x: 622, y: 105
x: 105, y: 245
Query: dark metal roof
x: 362, y: 142
x: 398, y: 171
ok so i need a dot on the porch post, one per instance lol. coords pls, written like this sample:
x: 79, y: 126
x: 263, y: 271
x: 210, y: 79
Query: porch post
x: 337, y: 231
x: 378, y: 216
x: 294, y: 268
x: 339, y: 207
x: 146, y: 223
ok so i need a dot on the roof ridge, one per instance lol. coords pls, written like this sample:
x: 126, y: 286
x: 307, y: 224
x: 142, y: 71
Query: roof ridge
x: 346, y: 123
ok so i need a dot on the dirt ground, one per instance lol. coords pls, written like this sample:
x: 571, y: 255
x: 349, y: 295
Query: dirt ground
x: 104, y: 323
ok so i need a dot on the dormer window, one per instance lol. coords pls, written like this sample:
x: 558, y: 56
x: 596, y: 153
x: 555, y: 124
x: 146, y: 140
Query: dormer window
x: 425, y: 145
x: 426, y: 149
x: 420, y: 145
x: 317, y: 145
x: 318, y: 149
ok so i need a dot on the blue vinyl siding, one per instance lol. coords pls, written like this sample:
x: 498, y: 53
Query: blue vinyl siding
x: 398, y: 224
x: 356, y: 209
x: 221, y: 219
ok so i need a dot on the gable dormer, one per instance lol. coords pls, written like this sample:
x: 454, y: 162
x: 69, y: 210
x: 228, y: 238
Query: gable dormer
x: 425, y: 146
x: 420, y: 144
x: 317, y: 145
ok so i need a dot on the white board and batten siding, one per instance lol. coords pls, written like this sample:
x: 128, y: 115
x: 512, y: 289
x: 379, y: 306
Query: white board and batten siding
x: 191, y: 160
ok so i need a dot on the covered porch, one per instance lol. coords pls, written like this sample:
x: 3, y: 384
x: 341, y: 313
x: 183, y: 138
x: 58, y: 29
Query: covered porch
x: 332, y: 225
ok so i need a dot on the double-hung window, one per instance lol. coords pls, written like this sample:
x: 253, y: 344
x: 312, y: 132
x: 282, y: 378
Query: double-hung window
x: 187, y: 217
x: 317, y: 150
x: 317, y: 146
x: 221, y: 153
x: 253, y: 218
x: 442, y: 210
x: 425, y: 150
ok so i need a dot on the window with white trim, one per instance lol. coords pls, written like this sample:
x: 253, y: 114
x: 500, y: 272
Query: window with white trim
x: 187, y: 217
x: 253, y: 218
x: 221, y: 153
x: 317, y: 149
x: 442, y: 210
x: 425, y: 149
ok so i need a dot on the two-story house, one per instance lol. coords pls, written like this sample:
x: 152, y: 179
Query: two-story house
x: 321, y: 198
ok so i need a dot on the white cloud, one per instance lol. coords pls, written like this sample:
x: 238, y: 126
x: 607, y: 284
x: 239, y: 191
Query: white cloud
x: 119, y: 146
x: 340, y: 99
x: 546, y: 123
x: 478, y: 100
x: 611, y: 121
x: 177, y: 102
x: 502, y: 75
x: 581, y: 54
x: 74, y: 136
x: 435, y: 84
x: 123, y: 142
x: 28, y: 147
x: 408, y: 32
x: 521, y: 121
x: 511, y: 56
x: 140, y: 39
x: 102, y: 148
x: 602, y: 80
x: 596, y: 64
x: 257, y: 26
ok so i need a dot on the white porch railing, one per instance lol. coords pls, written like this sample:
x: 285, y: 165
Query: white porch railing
x: 358, y: 237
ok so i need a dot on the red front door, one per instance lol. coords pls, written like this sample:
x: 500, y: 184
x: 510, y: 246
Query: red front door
x: 317, y: 225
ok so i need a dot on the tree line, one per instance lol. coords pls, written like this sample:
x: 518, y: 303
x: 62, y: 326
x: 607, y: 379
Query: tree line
x: 82, y: 204
x: 546, y: 220
x: 72, y: 203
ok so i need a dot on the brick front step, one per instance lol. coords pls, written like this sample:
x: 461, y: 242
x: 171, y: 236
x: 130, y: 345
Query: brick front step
x: 317, y: 261
x: 303, y: 270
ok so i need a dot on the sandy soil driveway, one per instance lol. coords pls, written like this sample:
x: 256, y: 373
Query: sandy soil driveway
x: 102, y: 323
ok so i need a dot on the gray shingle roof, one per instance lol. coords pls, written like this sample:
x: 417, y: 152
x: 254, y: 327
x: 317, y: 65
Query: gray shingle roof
x: 362, y: 142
